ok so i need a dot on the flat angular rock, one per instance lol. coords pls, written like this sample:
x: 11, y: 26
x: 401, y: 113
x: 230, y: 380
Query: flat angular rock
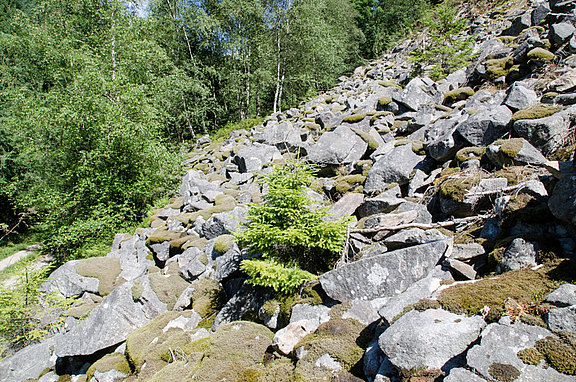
x: 29, y: 362
x: 346, y: 206
x: 413, y: 236
x: 390, y: 220
x: 224, y: 222
x: 429, y: 339
x: 67, y: 282
x: 461, y: 269
x: 420, y: 289
x: 565, y: 83
x: 485, y: 127
x: 336, y: 147
x: 562, y: 318
x: 539, y: 13
x: 561, y: 32
x: 515, y: 151
x: 462, y: 375
x: 562, y: 203
x: 395, y: 166
x: 518, y: 25
x: 565, y: 295
x: 109, y: 324
x: 465, y: 252
x: 520, y: 254
x: 252, y: 159
x: 520, y: 97
x: 500, y: 344
x: 417, y: 93
x: 384, y: 275
x: 440, y: 140
x: 279, y: 134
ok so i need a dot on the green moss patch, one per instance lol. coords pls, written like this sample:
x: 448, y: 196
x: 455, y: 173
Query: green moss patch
x: 223, y: 243
x: 355, y: 118
x: 389, y: 84
x: 458, y: 94
x: 526, y: 286
x: 162, y: 234
x: 536, y: 112
x: 105, y: 269
x: 232, y: 351
x: 541, y: 54
x: 207, y: 297
x: 468, y: 153
x: 223, y: 203
x: 114, y: 361
x: 456, y: 188
x: 343, y: 339
x: 531, y: 356
x: 168, y: 288
x: 348, y: 183
x: 503, y: 372
x: 559, y: 353
x: 383, y: 101
x: 498, y: 67
x: 368, y: 138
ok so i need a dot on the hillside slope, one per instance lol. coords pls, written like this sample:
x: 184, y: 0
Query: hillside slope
x: 459, y: 264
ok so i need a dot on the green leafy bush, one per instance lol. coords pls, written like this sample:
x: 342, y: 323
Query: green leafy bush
x: 269, y: 273
x: 288, y: 232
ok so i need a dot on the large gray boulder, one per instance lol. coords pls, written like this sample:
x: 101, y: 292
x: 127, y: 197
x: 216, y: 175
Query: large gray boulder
x: 429, y: 339
x: 549, y: 133
x: 565, y: 295
x: 68, y: 283
x: 224, y: 222
x: 562, y: 318
x: 29, y: 362
x: 383, y: 275
x: 561, y: 32
x: 194, y: 186
x: 419, y: 92
x: 109, y: 324
x: 283, y: 135
x: 499, y: 346
x: 336, y: 147
x: 252, y: 159
x: 562, y: 203
x: 462, y: 375
x: 440, y: 140
x: 394, y: 167
x: 515, y: 151
x: 486, y: 126
x: 520, y: 97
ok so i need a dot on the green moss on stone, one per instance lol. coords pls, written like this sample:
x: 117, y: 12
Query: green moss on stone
x: 207, y: 296
x: 114, y: 361
x: 541, y: 54
x: 468, y: 153
x: 355, y: 118
x: 368, y: 138
x: 389, y: 84
x: 510, y: 147
x: 536, y: 112
x: 426, y: 304
x: 383, y: 101
x: 498, y: 67
x: 458, y: 94
x: 526, y: 286
x: 506, y: 39
x: 168, y: 287
x: 161, y: 235
x: 503, y: 372
x: 456, y: 188
x: 531, y: 356
x: 105, y: 269
x: 346, y: 183
x: 223, y: 243
x: 559, y: 354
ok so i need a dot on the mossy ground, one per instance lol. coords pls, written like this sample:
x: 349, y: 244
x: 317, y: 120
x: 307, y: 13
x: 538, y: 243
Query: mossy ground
x: 349, y: 183
x: 105, y: 269
x: 527, y: 287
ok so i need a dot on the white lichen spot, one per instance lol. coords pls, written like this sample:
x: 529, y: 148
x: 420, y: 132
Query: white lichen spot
x: 378, y: 275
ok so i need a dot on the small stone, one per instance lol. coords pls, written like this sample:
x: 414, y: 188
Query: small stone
x: 518, y: 255
x: 565, y: 295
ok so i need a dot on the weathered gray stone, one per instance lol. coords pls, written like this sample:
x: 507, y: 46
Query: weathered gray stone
x: 523, y: 153
x: 420, y: 289
x: 190, y: 265
x: 386, y: 201
x: 394, y: 167
x: 161, y: 250
x: 390, y: 220
x: 413, y: 236
x: 519, y: 97
x: 346, y: 206
x: 518, y: 255
x: 486, y: 126
x: 561, y: 32
x: 109, y: 324
x: 461, y: 269
x: 565, y: 295
x: 539, y: 13
x: 29, y: 362
x: 283, y: 135
x: 67, y: 282
x: 420, y: 340
x: 224, y: 222
x: 565, y: 83
x: 462, y: 375
x: 194, y: 186
x: 244, y: 300
x: 252, y: 159
x: 562, y: 203
x: 518, y: 25
x: 365, y: 311
x: 286, y: 338
x: 418, y: 92
x: 225, y: 265
x: 562, y: 318
x: 336, y: 147
x: 520, y: 54
x: 440, y: 140
x: 500, y: 344
x: 383, y: 275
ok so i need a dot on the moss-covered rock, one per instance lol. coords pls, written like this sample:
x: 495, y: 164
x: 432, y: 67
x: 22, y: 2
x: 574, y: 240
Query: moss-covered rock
x: 525, y: 286
x: 468, y: 153
x: 105, y: 269
x: 348, y: 183
x: 368, y: 138
x: 389, y: 84
x: 114, y: 361
x: 383, y: 101
x: 559, y: 354
x: 498, y: 67
x: 162, y: 234
x: 223, y: 243
x: 458, y: 94
x: 536, y: 111
x: 343, y: 340
x: 457, y: 188
x: 355, y: 118
x: 222, y: 203
x: 530, y: 356
x: 150, y: 344
x: 207, y: 296
x: 168, y: 287
x: 234, y: 351
x: 541, y: 54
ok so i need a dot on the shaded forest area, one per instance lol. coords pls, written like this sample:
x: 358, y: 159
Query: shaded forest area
x: 99, y: 97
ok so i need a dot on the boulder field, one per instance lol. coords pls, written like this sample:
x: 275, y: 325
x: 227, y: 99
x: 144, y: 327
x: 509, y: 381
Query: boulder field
x: 459, y: 265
